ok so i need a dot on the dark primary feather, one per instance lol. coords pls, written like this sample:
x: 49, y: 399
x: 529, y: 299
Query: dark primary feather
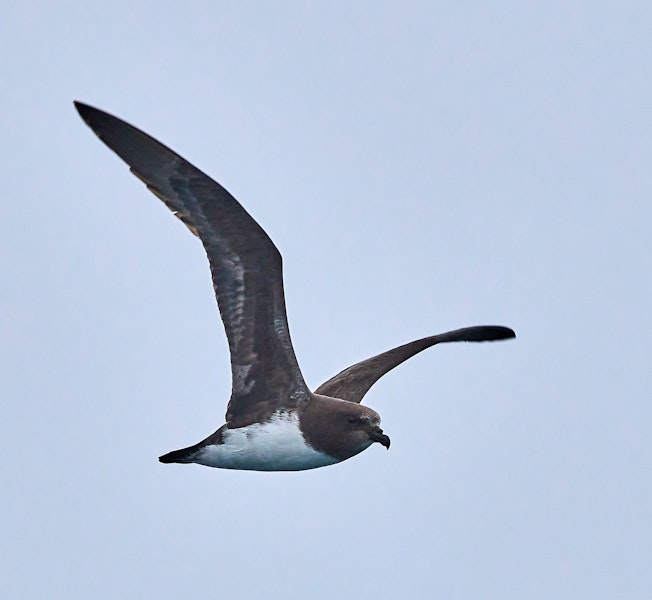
x: 245, y: 265
x: 355, y: 381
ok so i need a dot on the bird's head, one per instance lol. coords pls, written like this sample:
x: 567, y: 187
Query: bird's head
x: 342, y: 429
x: 364, y: 426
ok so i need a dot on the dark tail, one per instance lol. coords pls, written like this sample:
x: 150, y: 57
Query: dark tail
x: 185, y: 455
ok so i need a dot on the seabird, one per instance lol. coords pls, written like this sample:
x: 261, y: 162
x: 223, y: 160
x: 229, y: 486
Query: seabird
x: 273, y: 421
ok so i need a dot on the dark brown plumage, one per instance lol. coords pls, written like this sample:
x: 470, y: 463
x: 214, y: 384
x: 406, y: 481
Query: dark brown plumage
x: 273, y: 421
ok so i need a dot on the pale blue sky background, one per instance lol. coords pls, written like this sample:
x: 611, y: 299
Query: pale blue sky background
x: 421, y: 166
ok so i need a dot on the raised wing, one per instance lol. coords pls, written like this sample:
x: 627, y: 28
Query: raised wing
x: 245, y: 264
x: 355, y: 381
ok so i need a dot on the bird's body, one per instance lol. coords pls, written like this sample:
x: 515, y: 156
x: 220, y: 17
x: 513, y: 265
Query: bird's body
x: 302, y: 438
x: 275, y: 445
x: 273, y: 421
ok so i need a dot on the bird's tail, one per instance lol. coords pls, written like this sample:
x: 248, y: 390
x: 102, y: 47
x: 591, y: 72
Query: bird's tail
x: 185, y: 455
x: 189, y: 454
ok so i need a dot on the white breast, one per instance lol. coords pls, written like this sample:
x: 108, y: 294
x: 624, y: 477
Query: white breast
x: 277, y: 445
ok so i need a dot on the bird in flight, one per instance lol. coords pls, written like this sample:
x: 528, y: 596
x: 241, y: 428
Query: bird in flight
x: 273, y: 421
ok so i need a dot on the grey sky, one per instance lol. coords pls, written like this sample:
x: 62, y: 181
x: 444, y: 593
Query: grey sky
x: 421, y: 166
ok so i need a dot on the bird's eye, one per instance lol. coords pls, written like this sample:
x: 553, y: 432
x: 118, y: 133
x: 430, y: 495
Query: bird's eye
x: 354, y: 419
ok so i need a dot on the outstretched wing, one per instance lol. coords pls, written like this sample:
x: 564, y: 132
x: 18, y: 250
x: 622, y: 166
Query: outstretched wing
x: 245, y: 264
x: 354, y: 382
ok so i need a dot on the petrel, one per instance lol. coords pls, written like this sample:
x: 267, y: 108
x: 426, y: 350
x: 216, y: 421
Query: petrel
x: 273, y: 421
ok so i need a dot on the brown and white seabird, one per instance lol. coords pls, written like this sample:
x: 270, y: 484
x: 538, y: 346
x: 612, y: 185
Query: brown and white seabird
x: 273, y: 421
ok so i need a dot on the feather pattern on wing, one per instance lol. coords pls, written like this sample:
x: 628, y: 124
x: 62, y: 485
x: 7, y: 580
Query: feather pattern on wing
x: 245, y: 264
x: 354, y: 382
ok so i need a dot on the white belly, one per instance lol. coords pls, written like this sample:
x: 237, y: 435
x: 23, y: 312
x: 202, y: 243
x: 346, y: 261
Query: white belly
x: 277, y: 445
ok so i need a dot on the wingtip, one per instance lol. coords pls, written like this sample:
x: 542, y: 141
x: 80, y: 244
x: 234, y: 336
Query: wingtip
x: 482, y: 333
x: 85, y: 110
x: 508, y: 333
